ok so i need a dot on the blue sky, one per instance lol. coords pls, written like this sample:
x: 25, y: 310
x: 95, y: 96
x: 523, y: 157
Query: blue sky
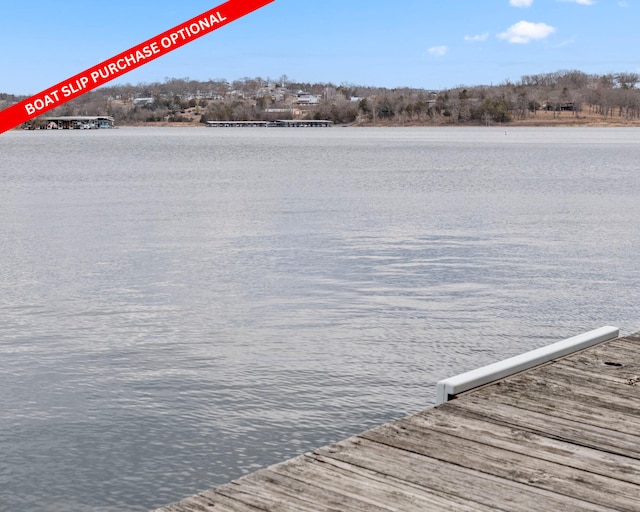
x: 431, y: 44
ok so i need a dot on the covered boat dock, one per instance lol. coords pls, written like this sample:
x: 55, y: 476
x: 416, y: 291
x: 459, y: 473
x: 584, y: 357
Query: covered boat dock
x: 280, y: 123
x: 77, y: 122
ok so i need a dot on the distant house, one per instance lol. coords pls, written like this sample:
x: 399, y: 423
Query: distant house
x: 143, y: 101
x: 304, y: 98
x: 199, y: 95
x: 266, y: 91
x: 292, y: 111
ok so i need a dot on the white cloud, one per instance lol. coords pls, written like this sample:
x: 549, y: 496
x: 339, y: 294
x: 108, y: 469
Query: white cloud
x: 623, y: 3
x: 524, y: 32
x: 477, y: 38
x: 437, y: 51
x: 520, y: 3
x: 581, y: 2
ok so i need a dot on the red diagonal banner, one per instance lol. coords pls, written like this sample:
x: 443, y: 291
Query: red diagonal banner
x: 126, y: 61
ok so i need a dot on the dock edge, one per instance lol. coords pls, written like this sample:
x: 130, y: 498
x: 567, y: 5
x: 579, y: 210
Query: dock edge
x: 448, y: 388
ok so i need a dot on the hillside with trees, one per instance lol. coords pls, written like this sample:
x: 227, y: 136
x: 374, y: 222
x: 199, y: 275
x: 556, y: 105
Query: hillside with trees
x: 561, y: 97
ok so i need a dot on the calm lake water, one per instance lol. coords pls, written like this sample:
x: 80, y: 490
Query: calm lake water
x: 182, y: 306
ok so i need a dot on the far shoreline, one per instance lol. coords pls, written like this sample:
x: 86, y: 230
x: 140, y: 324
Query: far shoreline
x: 542, y: 119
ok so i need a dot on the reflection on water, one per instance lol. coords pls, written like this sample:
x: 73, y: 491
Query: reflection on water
x: 182, y: 306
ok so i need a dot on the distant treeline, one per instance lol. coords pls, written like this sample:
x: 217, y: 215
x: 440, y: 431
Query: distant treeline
x: 6, y: 100
x: 184, y: 100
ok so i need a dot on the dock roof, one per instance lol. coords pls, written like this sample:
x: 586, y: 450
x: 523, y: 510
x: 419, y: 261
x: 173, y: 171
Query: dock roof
x: 78, y: 118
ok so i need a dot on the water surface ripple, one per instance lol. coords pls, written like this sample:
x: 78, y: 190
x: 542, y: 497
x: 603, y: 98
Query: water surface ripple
x: 182, y: 306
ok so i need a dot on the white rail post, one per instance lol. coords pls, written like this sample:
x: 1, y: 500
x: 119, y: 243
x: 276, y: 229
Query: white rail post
x: 448, y: 388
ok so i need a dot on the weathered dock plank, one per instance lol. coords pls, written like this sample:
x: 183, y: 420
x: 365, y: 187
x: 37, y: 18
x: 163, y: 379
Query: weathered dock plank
x: 458, y: 484
x: 561, y: 436
x: 553, y: 439
x: 574, y: 433
x: 510, y: 465
x: 358, y: 489
x: 551, y: 399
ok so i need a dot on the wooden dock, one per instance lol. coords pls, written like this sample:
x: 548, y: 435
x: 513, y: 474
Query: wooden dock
x: 563, y: 436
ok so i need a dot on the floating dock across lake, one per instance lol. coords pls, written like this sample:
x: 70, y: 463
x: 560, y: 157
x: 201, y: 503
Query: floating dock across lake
x: 77, y: 122
x: 280, y: 123
x: 555, y: 429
